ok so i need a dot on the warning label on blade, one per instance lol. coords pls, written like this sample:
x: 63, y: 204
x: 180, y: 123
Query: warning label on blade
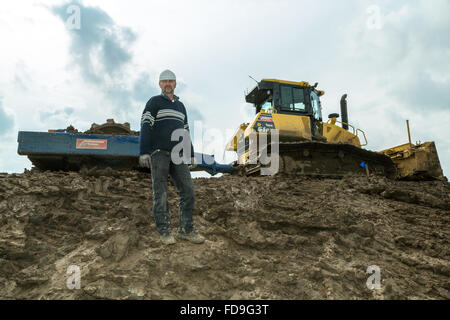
x: 92, y: 144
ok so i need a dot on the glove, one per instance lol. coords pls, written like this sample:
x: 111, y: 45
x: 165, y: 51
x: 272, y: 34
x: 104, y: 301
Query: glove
x: 144, y: 161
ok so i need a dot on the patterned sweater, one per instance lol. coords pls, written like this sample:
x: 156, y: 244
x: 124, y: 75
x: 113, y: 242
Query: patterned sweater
x: 160, y: 118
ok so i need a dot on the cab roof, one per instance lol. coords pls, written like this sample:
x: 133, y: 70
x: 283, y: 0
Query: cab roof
x: 260, y: 91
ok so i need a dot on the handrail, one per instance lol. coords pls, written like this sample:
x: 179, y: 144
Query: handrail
x: 355, y: 131
x: 364, y: 135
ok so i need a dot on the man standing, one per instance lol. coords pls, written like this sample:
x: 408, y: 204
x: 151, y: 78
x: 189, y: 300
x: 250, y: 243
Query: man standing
x: 162, y: 115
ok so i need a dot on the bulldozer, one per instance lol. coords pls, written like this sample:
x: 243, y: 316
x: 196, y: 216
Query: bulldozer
x: 306, y: 143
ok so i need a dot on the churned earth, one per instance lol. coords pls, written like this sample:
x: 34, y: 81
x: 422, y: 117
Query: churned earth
x: 281, y: 237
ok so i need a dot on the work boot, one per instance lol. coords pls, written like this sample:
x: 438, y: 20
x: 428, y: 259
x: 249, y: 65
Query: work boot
x: 168, y: 239
x: 191, y: 237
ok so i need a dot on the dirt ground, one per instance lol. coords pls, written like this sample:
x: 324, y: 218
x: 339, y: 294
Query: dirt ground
x: 282, y: 237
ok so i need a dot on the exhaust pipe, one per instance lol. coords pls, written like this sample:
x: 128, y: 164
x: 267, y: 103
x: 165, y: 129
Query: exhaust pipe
x: 344, y: 114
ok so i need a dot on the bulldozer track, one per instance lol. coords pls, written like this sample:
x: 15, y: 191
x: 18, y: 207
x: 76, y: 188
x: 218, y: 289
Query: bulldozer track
x: 328, y: 160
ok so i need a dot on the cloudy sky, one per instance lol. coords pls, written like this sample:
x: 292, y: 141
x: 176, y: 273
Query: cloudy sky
x: 58, y: 68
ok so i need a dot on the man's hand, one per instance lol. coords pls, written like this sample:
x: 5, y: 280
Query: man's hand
x: 144, y: 161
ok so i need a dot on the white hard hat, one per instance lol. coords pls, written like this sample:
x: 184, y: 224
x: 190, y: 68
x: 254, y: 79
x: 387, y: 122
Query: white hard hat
x: 167, y: 75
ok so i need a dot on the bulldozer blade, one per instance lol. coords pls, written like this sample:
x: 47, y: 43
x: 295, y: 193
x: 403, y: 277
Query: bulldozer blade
x: 416, y: 162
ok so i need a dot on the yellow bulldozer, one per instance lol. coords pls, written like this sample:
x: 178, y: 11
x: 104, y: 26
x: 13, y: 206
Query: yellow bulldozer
x: 306, y: 144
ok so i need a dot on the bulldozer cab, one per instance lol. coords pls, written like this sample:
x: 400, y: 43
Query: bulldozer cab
x: 287, y: 97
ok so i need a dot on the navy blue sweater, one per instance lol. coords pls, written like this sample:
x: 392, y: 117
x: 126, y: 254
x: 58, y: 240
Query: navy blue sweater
x: 160, y: 118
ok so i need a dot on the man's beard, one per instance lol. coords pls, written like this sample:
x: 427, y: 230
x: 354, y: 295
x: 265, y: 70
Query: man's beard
x: 168, y: 90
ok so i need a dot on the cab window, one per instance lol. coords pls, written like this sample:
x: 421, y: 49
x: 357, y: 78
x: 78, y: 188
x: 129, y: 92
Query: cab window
x: 299, y: 104
x: 292, y: 99
x: 266, y: 105
x: 286, y: 98
x: 317, y: 109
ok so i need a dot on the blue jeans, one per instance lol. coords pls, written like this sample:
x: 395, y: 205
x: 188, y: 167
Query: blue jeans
x: 162, y: 167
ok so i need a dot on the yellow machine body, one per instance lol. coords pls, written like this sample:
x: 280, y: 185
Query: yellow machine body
x: 419, y: 161
x: 291, y: 128
x: 336, y: 134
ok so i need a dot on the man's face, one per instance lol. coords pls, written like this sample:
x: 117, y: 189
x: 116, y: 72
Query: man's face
x: 167, y: 86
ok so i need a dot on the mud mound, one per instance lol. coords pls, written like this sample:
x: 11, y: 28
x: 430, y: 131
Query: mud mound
x: 283, y: 237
